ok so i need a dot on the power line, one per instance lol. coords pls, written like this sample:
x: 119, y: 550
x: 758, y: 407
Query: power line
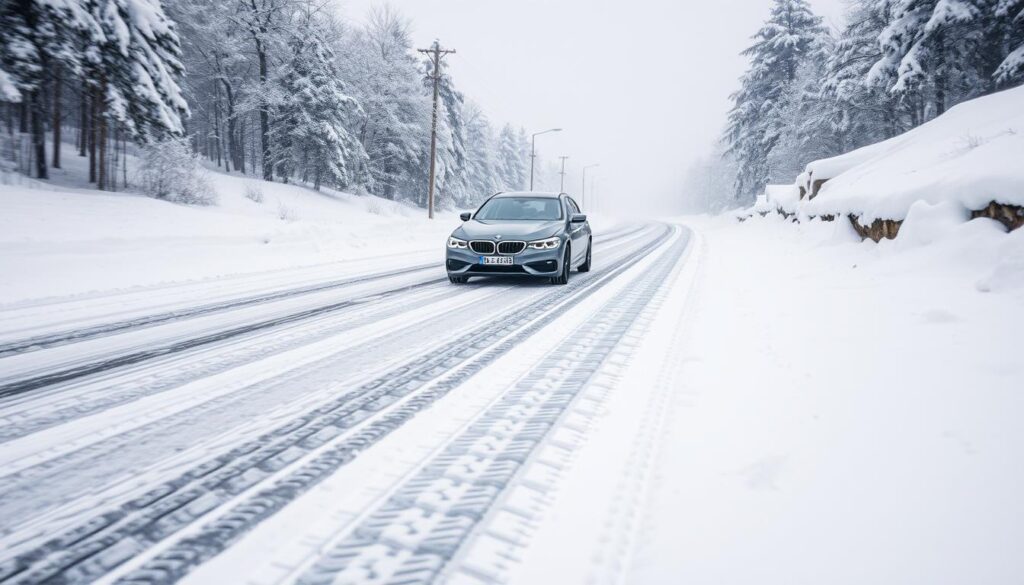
x: 436, y: 52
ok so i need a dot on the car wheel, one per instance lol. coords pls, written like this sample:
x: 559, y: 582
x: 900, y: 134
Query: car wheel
x: 563, y: 278
x: 585, y: 267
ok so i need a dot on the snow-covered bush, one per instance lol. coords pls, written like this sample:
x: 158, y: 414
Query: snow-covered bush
x: 254, y: 193
x: 285, y: 213
x: 170, y: 170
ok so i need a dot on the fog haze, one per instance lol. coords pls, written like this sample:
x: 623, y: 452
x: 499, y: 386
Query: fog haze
x: 640, y: 87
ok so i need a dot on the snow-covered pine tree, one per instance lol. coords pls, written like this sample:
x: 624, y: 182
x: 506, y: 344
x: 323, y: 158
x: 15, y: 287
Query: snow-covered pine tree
x: 39, y: 39
x: 482, y: 175
x: 930, y: 48
x: 314, y: 115
x: 1010, y: 16
x: 452, y: 179
x: 133, y: 72
x: 512, y: 166
x: 755, y: 120
x: 386, y: 80
x: 262, y: 21
x: 218, y: 65
x: 805, y: 122
x: 865, y: 112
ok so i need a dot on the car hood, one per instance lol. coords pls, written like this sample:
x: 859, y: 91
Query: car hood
x: 508, y: 230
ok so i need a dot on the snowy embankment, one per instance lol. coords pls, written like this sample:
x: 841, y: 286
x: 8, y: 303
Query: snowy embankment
x: 845, y: 412
x: 964, y: 163
x: 58, y: 241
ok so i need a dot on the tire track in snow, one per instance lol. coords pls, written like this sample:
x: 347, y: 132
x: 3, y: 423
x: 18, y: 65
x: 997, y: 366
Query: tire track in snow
x: 414, y: 533
x: 36, y: 413
x: 331, y: 434
x: 49, y: 340
x: 58, y: 338
x: 27, y: 384
x: 95, y: 393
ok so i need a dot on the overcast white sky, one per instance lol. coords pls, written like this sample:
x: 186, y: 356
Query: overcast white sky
x: 640, y: 86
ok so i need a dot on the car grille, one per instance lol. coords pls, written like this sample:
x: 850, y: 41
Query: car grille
x: 511, y: 247
x: 482, y: 246
x: 495, y: 269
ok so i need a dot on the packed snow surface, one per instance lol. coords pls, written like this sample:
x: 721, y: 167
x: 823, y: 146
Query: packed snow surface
x: 715, y: 402
x: 969, y: 156
x: 845, y: 412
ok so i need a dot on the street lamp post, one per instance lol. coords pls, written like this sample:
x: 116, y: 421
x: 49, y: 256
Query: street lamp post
x: 533, y: 150
x: 561, y: 185
x: 583, y: 191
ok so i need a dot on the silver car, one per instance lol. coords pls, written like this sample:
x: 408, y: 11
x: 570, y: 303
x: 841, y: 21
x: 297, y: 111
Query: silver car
x: 521, y: 234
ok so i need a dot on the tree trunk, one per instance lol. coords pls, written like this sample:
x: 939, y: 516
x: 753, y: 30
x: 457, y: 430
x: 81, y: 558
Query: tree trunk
x: 39, y: 133
x: 114, y: 156
x: 56, y: 115
x: 83, y: 122
x: 101, y: 177
x: 23, y: 117
x: 216, y: 134
x: 252, y: 149
x: 232, y: 137
x: 93, y: 114
x: 268, y: 171
x: 241, y: 147
x: 222, y: 147
x: 124, y: 160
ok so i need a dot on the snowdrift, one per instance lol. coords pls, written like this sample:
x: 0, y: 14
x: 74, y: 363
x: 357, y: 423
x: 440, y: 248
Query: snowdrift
x: 58, y: 240
x: 971, y: 157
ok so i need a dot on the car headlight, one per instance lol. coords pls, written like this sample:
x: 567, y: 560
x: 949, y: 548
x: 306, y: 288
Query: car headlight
x: 456, y: 243
x: 548, y: 244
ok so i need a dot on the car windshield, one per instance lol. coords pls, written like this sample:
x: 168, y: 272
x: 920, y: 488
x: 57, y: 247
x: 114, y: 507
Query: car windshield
x: 521, y: 208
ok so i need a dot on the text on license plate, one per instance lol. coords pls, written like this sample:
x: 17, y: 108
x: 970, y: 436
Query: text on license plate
x: 503, y: 260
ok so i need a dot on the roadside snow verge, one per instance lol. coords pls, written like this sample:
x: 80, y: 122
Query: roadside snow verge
x: 845, y: 412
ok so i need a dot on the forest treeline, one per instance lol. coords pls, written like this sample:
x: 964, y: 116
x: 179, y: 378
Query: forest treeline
x: 811, y: 93
x: 280, y: 89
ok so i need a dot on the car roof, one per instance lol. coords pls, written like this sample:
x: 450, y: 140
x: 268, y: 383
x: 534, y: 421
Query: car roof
x: 528, y: 194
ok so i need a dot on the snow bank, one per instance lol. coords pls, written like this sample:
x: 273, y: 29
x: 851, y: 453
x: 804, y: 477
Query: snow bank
x: 58, y: 241
x: 971, y: 155
x: 783, y: 197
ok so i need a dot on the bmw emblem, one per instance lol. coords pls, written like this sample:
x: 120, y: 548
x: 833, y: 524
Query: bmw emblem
x: 497, y: 237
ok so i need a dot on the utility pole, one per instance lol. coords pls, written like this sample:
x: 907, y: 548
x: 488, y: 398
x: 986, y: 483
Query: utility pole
x: 533, y: 150
x: 435, y: 52
x: 561, y: 189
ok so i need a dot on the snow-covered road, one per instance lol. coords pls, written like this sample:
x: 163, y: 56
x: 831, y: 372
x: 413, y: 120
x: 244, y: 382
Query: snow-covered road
x: 182, y: 430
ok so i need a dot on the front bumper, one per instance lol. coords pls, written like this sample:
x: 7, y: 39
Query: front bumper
x: 526, y: 263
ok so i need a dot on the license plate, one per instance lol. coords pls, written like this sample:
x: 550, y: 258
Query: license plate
x: 499, y: 260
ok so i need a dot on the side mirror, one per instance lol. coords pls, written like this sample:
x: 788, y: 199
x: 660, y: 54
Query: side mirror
x: 465, y: 215
x: 578, y: 218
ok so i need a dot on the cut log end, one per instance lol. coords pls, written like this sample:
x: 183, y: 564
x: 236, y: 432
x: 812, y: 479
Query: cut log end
x: 1011, y: 216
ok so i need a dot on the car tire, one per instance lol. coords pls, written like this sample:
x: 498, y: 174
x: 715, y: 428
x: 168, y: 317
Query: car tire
x: 563, y: 278
x: 585, y: 267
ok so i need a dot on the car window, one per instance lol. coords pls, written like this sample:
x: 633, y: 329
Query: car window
x: 573, y: 207
x: 520, y: 208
